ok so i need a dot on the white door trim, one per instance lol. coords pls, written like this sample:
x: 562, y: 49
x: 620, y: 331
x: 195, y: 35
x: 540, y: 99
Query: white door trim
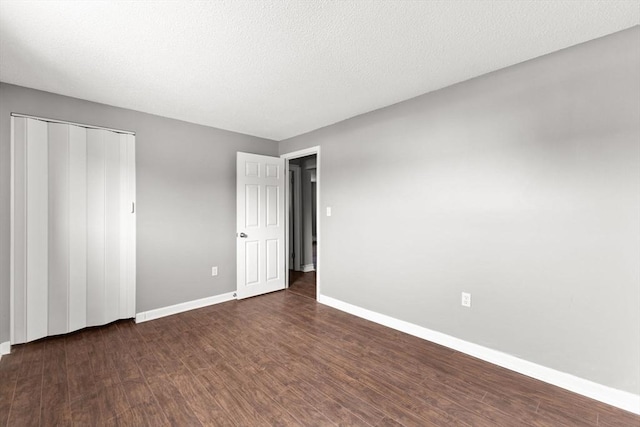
x: 294, y: 155
x: 12, y: 235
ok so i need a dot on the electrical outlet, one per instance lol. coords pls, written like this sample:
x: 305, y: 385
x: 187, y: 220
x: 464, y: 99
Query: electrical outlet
x: 466, y: 299
x: 214, y: 271
x: 328, y: 211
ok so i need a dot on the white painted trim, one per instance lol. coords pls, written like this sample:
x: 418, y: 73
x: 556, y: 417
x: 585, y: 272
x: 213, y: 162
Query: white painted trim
x: 12, y: 235
x: 5, y: 348
x: 318, y: 220
x: 294, y: 155
x: 184, y: 306
x: 611, y: 396
x: 301, y: 153
x: 307, y: 268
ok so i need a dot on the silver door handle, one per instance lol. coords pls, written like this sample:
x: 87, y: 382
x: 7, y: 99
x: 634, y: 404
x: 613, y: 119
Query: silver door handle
x: 243, y: 235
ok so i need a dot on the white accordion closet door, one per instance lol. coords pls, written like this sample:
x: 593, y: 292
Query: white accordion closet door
x: 73, y: 228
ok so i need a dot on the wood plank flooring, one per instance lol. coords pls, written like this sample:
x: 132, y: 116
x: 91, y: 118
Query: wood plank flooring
x: 303, y: 284
x: 278, y: 359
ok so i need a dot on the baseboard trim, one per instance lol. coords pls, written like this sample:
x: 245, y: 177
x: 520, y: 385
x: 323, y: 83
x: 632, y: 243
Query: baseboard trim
x: 307, y: 268
x: 5, y: 348
x: 182, y: 307
x: 611, y: 396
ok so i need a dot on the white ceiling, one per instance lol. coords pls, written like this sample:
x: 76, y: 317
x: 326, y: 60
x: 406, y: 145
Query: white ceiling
x: 279, y: 68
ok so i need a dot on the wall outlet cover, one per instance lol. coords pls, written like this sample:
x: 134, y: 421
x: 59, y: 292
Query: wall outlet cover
x: 466, y: 299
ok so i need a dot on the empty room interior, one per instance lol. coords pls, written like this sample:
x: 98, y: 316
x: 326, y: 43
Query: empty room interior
x: 287, y: 212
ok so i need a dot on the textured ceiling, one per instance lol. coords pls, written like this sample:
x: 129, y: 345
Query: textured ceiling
x: 280, y: 68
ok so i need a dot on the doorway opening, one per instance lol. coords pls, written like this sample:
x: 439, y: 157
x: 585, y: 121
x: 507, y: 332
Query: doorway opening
x: 302, y: 222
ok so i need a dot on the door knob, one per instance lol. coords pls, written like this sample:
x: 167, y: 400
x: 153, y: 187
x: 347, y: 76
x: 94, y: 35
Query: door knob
x: 243, y: 235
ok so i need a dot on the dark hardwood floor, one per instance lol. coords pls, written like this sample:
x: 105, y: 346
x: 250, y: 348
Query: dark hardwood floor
x: 303, y: 284
x: 278, y: 359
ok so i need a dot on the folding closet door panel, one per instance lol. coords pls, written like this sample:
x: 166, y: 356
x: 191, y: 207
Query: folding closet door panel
x: 130, y: 227
x: 73, y: 228
x: 95, y: 227
x: 19, y: 231
x: 77, y: 228
x: 127, y: 226
x: 113, y: 234
x: 59, y: 226
x: 37, y: 229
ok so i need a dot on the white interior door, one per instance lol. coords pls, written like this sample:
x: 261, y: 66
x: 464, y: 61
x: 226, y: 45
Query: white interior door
x: 73, y: 228
x: 260, y: 224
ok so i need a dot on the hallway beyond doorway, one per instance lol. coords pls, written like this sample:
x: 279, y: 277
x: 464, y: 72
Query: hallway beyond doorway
x: 303, y: 284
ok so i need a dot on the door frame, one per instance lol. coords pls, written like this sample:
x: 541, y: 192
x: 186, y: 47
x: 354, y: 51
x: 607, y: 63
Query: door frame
x: 290, y: 156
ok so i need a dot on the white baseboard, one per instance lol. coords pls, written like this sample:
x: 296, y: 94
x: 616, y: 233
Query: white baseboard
x: 5, y: 348
x: 307, y: 268
x: 611, y: 396
x: 182, y: 307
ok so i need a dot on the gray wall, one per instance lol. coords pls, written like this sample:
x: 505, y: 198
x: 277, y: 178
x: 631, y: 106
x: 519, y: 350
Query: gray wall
x: 521, y: 187
x: 186, y: 196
